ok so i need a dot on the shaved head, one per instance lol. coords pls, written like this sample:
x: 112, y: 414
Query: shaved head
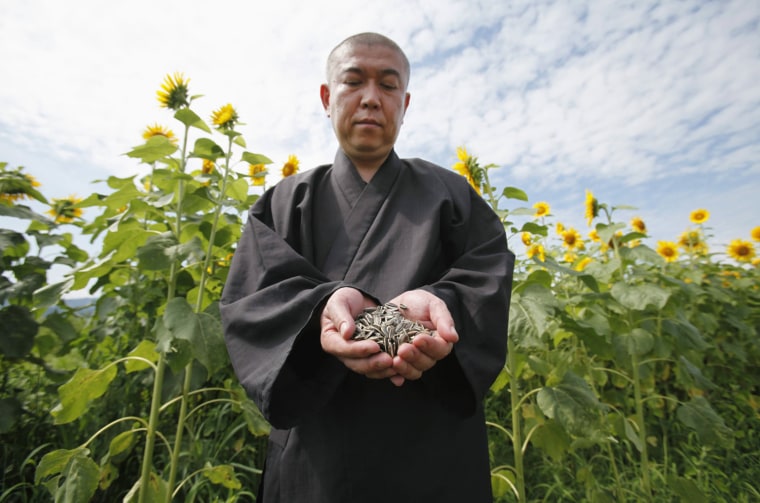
x: 367, y: 39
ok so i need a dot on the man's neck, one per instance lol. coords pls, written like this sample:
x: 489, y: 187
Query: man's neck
x: 367, y: 168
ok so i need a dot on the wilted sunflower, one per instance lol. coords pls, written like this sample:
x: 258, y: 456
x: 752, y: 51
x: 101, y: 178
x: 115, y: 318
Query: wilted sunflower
x: 536, y: 250
x: 225, y: 117
x: 755, y: 233
x: 159, y: 130
x: 741, y: 250
x: 542, y: 209
x: 64, y: 210
x: 467, y: 166
x: 290, y: 167
x: 571, y: 239
x: 638, y: 225
x: 15, y: 185
x: 258, y: 173
x: 526, y: 238
x: 668, y: 250
x: 592, y: 207
x: 699, y: 216
x: 174, y: 93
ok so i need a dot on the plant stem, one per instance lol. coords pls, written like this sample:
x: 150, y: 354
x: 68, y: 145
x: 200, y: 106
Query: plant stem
x: 158, y: 383
x: 516, y: 426
x: 645, y: 482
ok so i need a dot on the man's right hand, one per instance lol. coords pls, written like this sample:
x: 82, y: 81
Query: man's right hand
x: 337, y: 328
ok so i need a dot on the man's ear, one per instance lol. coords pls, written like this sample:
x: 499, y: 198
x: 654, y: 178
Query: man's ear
x: 324, y: 94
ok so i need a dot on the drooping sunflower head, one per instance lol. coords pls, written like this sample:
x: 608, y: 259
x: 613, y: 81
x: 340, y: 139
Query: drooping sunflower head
x: 258, y: 173
x: 755, y: 233
x: 542, y: 209
x: 592, y: 207
x: 571, y: 239
x: 159, y: 130
x: 208, y: 167
x: 536, y: 250
x: 638, y: 225
x: 16, y: 185
x: 667, y: 250
x: 741, y: 250
x: 699, y: 216
x: 174, y: 92
x: 468, y: 167
x: 526, y: 238
x: 64, y: 210
x: 225, y: 118
x: 290, y: 167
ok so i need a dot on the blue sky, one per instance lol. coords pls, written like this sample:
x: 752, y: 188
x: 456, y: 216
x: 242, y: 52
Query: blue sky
x: 652, y: 104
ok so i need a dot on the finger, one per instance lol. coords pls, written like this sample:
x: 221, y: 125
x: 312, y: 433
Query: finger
x: 377, y: 366
x: 443, y: 322
x: 397, y: 380
x: 334, y: 344
x: 414, y: 357
x: 436, y: 348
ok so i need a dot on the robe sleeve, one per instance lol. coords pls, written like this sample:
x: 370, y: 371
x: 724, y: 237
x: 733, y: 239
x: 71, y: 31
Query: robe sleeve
x: 476, y: 288
x: 272, y: 298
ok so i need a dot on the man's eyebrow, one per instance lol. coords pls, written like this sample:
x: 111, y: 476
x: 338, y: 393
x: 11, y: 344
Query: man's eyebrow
x: 384, y: 72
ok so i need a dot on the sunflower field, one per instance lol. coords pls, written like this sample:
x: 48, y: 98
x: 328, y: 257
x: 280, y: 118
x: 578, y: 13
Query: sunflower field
x: 632, y: 372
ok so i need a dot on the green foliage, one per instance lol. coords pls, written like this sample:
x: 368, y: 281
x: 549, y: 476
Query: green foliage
x: 628, y: 377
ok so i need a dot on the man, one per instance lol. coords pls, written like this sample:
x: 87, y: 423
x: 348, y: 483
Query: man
x: 351, y: 423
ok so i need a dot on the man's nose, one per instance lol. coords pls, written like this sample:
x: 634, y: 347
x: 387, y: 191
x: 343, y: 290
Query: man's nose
x: 371, y: 96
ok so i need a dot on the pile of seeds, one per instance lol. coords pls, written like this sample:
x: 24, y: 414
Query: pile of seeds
x: 387, y: 326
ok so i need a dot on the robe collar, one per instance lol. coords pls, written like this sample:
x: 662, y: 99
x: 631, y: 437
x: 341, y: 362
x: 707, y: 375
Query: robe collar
x: 350, y: 182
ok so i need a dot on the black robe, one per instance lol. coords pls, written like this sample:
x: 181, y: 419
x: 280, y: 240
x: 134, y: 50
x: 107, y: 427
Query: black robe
x: 338, y: 436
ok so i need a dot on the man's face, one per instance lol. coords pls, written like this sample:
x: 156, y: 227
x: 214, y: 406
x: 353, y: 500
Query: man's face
x: 366, y: 100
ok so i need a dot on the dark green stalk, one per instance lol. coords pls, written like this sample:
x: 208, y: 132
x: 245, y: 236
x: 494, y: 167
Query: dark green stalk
x: 514, y: 393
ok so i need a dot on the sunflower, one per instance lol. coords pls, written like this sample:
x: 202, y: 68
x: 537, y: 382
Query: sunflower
x: 741, y: 250
x: 580, y: 266
x: 699, y: 216
x: 571, y: 239
x: 174, y: 93
x: 526, y: 238
x: 560, y: 228
x: 468, y: 168
x: 755, y: 233
x: 536, y: 250
x: 638, y: 225
x: 594, y: 236
x: 668, y: 250
x: 208, y: 167
x: 225, y: 117
x: 290, y: 168
x: 542, y: 209
x: 570, y: 257
x: 692, y: 241
x: 64, y: 210
x: 159, y: 130
x: 258, y: 173
x: 15, y: 185
x: 592, y: 207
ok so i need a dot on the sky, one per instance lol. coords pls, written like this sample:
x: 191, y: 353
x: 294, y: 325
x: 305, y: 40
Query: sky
x: 649, y: 104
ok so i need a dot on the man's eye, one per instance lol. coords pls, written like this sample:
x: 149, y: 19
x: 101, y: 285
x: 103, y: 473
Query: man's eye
x: 389, y: 87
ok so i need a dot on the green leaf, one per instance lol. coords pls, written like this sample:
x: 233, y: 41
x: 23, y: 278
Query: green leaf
x: 632, y: 435
x: 238, y: 189
x: 156, y: 148
x: 159, y: 252
x: 122, y: 444
x: 700, y: 416
x: 502, y: 482
x: 23, y: 212
x: 191, y: 119
x: 530, y: 313
x: 207, y: 149
x: 223, y: 475
x: 77, y: 475
x: 77, y: 393
x: 606, y: 232
x: 49, y: 295
x: 18, y: 332
x: 638, y: 297
x: 638, y: 342
x: 552, y: 439
x: 535, y: 228
x: 257, y: 424
x: 252, y: 158
x: 515, y: 193
x: 572, y: 404
x: 157, y: 490
x: 147, y: 350
x: 203, y: 332
x: 686, y: 489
